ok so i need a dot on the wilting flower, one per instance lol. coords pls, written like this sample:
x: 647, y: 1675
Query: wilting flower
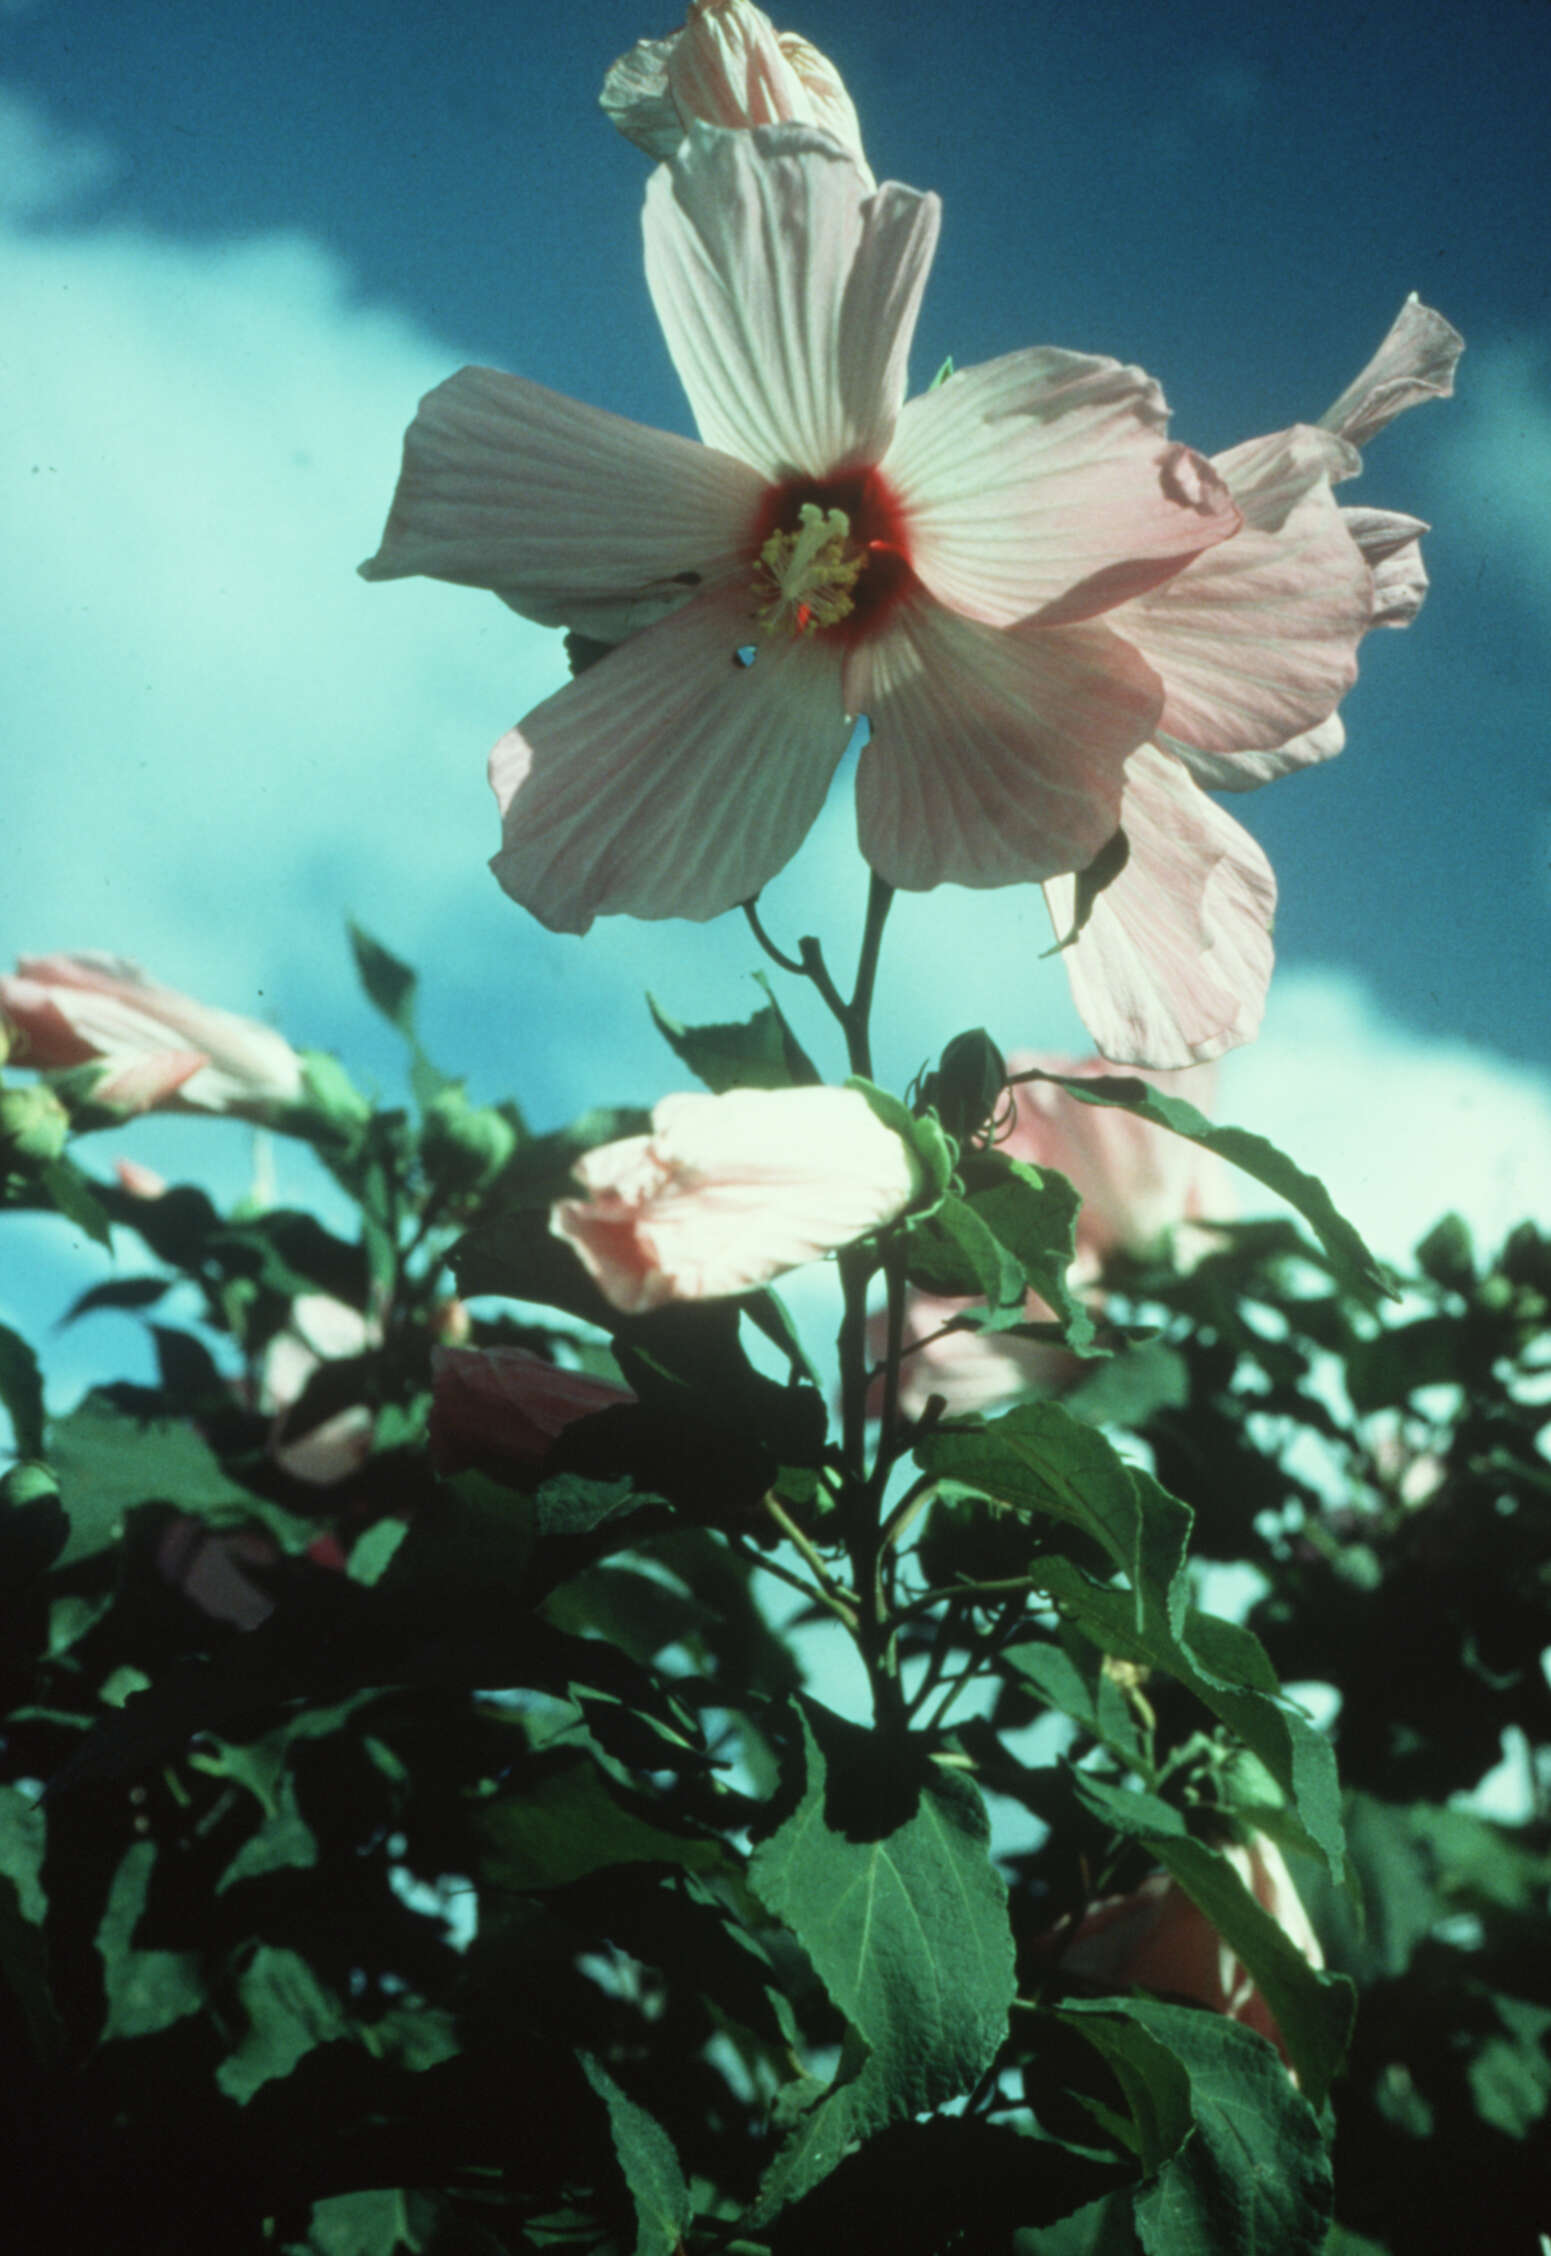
x: 319, y: 1330
x: 1141, y: 1189
x: 1157, y: 1939
x: 727, y: 1192
x: 829, y: 550
x: 728, y: 66
x: 1173, y: 964
x: 507, y: 1405
x: 159, y: 1049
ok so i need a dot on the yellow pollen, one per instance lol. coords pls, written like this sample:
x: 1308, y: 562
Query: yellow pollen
x: 805, y: 578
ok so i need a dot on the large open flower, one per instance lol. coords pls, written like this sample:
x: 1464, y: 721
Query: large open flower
x: 942, y: 567
x: 1173, y: 963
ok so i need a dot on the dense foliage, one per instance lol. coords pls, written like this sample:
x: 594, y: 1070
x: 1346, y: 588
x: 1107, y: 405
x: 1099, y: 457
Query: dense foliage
x: 446, y: 1854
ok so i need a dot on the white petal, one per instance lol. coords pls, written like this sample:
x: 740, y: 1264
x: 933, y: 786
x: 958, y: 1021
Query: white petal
x: 1045, y: 473
x: 1416, y: 362
x: 1247, y: 771
x: 1173, y: 965
x: 1257, y: 640
x: 996, y: 756
x: 555, y: 506
x: 668, y: 779
x: 787, y: 294
x: 636, y: 99
x: 1392, y: 545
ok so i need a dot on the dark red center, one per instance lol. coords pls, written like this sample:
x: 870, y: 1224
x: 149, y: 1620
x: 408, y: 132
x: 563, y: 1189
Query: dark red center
x: 877, y: 521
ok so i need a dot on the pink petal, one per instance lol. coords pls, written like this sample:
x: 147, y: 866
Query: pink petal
x: 506, y: 1403
x: 1247, y: 771
x: 787, y: 294
x: 113, y: 1011
x: 558, y: 507
x: 730, y: 1191
x: 1269, y: 476
x: 1392, y: 545
x: 1031, y: 477
x: 1173, y: 965
x: 1416, y: 362
x: 995, y: 757
x: 143, y: 1083
x: 1257, y: 640
x: 669, y: 780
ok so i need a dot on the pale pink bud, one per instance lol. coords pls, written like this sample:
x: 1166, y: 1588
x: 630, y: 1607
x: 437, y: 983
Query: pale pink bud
x: 727, y: 1192
x: 730, y: 67
x: 159, y: 1049
x: 1158, y: 1939
x: 507, y: 1404
x: 140, y: 1182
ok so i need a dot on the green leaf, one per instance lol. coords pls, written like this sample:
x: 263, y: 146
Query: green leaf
x: 372, y: 1553
x: 651, y: 2168
x: 129, y: 1294
x: 288, y: 2013
x: 1253, y: 2179
x: 21, y: 1391
x: 374, y: 2222
x: 1132, y: 1387
x: 890, y: 1889
x: 1312, y: 2009
x: 1510, y: 2074
x: 391, y: 985
x: 1155, y: 2084
x: 923, y: 1136
x: 1071, y: 1676
x: 569, y: 1821
x: 75, y: 1195
x: 108, y: 1462
x: 953, y: 1252
x: 147, y: 1990
x: 1045, y: 1463
x: 760, y: 1052
x: 1254, y: 1156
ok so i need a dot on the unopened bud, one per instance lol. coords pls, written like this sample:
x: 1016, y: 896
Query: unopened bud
x: 34, y: 1125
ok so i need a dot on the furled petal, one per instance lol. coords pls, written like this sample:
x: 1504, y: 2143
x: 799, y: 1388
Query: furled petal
x: 1415, y: 362
x: 1046, y: 476
x: 728, y: 1191
x: 1247, y: 771
x: 995, y: 757
x: 636, y: 98
x: 728, y: 67
x: 787, y: 294
x: 1172, y: 966
x: 506, y: 1404
x: 143, y: 1084
x: 556, y: 507
x: 1257, y: 640
x: 669, y: 779
x: 1392, y: 545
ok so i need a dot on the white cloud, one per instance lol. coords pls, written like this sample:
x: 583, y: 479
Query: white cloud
x: 1400, y: 1127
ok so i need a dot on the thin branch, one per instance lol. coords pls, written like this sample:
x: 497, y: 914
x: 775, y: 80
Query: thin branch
x: 776, y: 955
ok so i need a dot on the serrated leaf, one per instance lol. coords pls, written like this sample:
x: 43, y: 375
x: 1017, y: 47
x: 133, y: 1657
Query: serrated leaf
x: 651, y: 2168
x: 1042, y: 1461
x: 760, y: 1052
x: 21, y: 1391
x: 904, y: 1918
x: 1254, y: 2177
x: 1252, y: 1155
x: 1312, y: 2009
x: 1073, y: 1678
x: 107, y: 1462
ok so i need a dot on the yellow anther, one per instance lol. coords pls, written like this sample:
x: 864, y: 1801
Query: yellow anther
x: 805, y: 578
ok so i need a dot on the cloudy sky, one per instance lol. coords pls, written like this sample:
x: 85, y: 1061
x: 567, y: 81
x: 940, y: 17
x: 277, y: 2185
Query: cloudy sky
x: 235, y: 247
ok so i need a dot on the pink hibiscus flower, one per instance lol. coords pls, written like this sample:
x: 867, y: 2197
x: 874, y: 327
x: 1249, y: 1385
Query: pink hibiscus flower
x: 942, y: 566
x: 1173, y: 965
x: 160, y: 1049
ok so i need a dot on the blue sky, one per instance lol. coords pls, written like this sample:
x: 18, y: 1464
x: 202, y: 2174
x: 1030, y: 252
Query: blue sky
x: 235, y: 247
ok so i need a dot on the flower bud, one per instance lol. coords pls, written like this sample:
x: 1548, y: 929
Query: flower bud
x: 34, y: 1125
